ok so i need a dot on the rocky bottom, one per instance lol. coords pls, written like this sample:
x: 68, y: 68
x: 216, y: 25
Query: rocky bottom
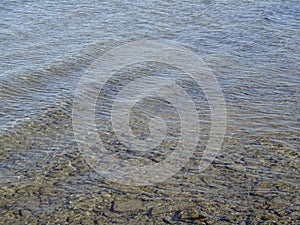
x: 253, y: 181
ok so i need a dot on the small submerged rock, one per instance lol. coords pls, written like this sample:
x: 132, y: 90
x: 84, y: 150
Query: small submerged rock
x: 191, y: 214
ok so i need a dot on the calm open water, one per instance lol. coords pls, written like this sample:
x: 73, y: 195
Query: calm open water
x: 253, y: 50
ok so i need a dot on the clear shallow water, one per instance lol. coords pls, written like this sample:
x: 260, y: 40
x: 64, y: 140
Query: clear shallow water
x: 252, y: 48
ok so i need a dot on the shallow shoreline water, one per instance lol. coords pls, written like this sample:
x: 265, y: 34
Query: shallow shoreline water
x: 252, y: 49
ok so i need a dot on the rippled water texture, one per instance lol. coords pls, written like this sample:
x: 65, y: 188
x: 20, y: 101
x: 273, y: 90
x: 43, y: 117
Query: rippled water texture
x: 252, y: 48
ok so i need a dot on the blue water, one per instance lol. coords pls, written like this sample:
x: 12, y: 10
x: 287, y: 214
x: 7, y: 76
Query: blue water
x: 252, y: 47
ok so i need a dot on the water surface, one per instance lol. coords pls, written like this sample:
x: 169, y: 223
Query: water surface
x: 252, y: 48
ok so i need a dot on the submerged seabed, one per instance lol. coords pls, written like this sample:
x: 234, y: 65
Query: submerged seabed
x: 45, y: 178
x: 251, y: 47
